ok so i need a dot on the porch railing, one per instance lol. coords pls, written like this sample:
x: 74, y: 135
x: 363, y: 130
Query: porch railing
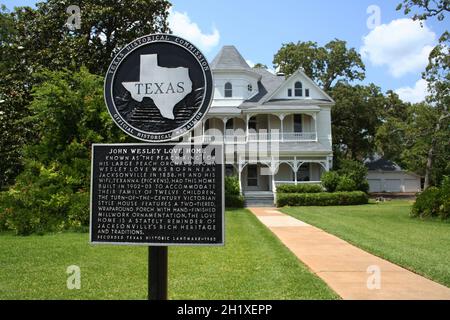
x: 255, y: 137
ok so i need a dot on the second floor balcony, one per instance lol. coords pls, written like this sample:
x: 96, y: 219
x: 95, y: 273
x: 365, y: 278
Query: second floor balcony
x: 259, y: 128
x: 239, y: 137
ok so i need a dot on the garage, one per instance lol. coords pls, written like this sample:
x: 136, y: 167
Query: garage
x: 393, y: 185
x: 385, y: 176
x: 412, y: 185
x: 375, y: 185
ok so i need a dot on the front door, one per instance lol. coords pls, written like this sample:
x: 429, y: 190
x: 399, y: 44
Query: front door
x: 252, y: 177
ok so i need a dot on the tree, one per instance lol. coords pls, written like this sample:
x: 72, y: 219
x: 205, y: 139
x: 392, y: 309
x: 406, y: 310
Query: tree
x: 36, y: 39
x: 438, y: 78
x: 260, y: 66
x: 390, y: 134
x: 52, y: 191
x: 325, y: 65
x: 421, y: 136
x: 431, y: 8
x: 355, y: 119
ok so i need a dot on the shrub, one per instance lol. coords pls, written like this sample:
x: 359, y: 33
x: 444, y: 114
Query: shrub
x: 427, y: 203
x: 444, y: 209
x: 3, y: 210
x: 346, y: 184
x: 38, y: 202
x: 68, y: 114
x: 234, y: 201
x: 433, y: 202
x: 78, y: 214
x: 322, y: 199
x: 330, y: 181
x: 356, y: 171
x: 301, y: 188
x: 232, y: 185
x: 233, y: 197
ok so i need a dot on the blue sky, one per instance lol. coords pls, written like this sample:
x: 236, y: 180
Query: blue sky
x: 394, y: 50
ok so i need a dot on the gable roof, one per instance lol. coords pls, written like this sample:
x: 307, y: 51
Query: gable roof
x: 229, y: 58
x: 308, y: 79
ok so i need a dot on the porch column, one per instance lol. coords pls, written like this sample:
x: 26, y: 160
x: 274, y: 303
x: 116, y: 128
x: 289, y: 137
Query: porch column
x: 281, y: 117
x: 247, y: 118
x: 315, y: 126
x: 225, y: 120
x: 273, y: 166
x: 295, y: 168
x: 203, y: 129
x: 240, y: 169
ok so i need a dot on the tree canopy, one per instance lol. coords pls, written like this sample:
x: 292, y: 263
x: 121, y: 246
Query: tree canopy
x: 34, y: 39
x: 325, y: 65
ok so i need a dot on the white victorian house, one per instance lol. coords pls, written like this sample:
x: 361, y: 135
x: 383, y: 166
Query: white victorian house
x: 276, y: 130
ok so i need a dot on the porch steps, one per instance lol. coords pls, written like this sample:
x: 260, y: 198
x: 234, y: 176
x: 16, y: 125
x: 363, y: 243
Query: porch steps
x: 258, y: 199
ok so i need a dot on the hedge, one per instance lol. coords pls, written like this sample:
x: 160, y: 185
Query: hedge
x: 234, y: 201
x: 233, y: 198
x: 300, y: 188
x: 322, y: 199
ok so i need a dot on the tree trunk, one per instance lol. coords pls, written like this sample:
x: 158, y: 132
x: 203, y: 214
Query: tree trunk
x: 431, y: 153
x: 429, y: 165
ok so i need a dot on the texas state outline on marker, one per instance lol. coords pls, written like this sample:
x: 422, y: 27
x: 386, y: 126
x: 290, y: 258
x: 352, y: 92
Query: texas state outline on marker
x: 165, y: 86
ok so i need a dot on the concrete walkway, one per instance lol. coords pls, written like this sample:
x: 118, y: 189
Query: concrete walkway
x: 351, y: 272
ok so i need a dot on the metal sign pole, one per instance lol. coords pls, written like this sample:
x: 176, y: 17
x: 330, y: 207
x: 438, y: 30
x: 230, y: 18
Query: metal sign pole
x: 157, y: 273
x: 184, y: 76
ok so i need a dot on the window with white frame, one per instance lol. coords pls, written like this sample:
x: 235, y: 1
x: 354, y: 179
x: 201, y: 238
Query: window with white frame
x: 228, y: 90
x: 298, y: 89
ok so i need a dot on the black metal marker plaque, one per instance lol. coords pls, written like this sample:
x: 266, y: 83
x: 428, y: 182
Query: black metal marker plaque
x: 157, y: 194
x: 158, y: 88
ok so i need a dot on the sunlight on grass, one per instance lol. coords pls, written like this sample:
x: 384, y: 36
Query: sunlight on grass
x: 252, y: 265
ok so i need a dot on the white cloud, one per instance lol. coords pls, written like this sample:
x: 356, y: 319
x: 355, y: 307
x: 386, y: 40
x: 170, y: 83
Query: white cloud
x: 181, y: 25
x: 415, y: 94
x: 402, y: 45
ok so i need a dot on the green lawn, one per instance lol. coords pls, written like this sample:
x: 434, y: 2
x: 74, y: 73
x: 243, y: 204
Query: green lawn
x: 387, y: 231
x: 252, y: 265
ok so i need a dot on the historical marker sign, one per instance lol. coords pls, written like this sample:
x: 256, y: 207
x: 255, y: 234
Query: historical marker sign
x: 157, y: 195
x: 158, y: 88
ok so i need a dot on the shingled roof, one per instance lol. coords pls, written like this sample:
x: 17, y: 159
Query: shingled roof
x: 266, y: 86
x: 229, y: 58
x: 382, y: 165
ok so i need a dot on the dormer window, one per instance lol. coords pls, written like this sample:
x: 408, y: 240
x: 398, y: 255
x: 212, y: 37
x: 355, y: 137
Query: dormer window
x: 298, y: 89
x: 228, y: 90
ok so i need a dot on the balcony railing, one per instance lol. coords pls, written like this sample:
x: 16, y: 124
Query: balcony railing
x: 256, y: 137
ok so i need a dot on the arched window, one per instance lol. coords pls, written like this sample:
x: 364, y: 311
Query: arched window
x: 298, y: 89
x: 228, y: 90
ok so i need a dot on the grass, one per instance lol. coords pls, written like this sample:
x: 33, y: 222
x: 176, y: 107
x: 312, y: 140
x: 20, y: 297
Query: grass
x: 252, y: 265
x: 388, y: 231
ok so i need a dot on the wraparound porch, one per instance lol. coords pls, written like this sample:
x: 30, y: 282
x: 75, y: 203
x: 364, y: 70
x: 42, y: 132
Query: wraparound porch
x: 265, y: 176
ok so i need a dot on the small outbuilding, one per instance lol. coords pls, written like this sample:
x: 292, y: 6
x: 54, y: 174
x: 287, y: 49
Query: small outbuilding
x: 385, y: 176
